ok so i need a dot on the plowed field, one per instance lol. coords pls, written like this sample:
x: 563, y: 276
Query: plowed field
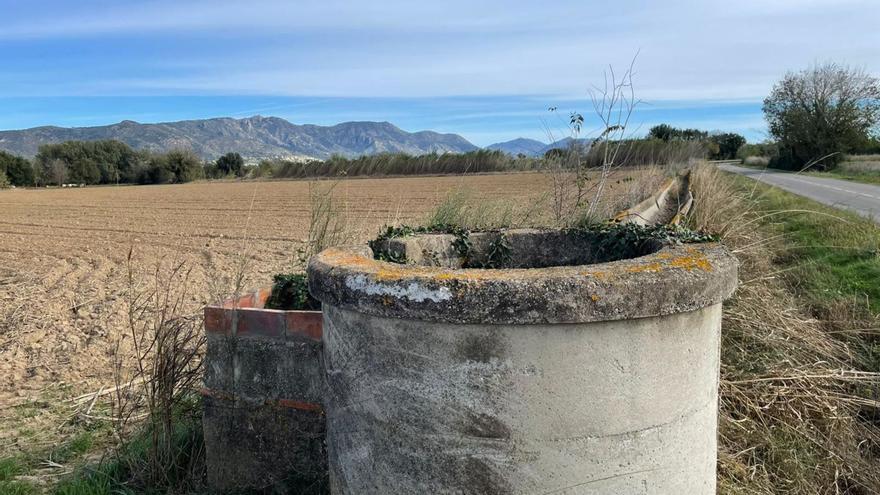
x: 64, y: 260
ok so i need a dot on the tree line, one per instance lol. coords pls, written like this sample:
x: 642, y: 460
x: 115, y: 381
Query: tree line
x: 815, y: 117
x: 384, y: 164
x: 111, y: 162
x: 114, y: 162
x: 718, y: 145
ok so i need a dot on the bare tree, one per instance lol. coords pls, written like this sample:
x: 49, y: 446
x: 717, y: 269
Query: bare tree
x: 577, y: 191
x: 614, y: 104
x: 57, y: 171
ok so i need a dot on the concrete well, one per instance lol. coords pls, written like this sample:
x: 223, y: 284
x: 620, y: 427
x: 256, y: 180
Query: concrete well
x: 263, y: 421
x: 560, y: 374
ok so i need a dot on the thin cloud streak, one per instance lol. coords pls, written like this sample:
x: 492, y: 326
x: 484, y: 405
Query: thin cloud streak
x: 695, y: 56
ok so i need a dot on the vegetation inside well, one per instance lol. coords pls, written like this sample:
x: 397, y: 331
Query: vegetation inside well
x: 597, y: 243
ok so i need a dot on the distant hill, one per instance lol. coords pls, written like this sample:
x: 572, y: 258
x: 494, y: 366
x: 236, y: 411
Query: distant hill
x: 253, y: 137
x: 566, y: 143
x: 533, y: 147
x: 528, y: 147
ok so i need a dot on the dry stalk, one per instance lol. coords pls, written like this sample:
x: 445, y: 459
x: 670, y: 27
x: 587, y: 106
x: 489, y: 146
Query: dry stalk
x: 157, y: 379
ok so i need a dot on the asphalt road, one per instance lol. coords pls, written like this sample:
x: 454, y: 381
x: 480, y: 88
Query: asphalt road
x: 863, y: 199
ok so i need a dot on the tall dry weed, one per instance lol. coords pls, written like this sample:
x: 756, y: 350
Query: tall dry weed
x: 792, y: 393
x: 157, y: 372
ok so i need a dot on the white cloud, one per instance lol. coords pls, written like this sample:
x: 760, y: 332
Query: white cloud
x: 713, y: 50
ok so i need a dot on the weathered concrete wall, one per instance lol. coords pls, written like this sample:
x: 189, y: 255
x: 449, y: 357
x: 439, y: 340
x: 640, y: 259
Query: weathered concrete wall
x: 607, y: 407
x: 264, y: 423
x: 566, y: 379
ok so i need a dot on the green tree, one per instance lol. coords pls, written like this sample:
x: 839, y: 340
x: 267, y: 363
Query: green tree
x: 667, y: 133
x: 184, y: 165
x: 231, y: 163
x: 663, y: 132
x: 90, y: 162
x: 727, y: 145
x: 18, y: 170
x: 821, y: 113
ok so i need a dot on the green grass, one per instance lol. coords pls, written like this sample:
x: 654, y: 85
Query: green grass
x: 17, y: 488
x: 9, y: 469
x: 126, y: 470
x: 830, y: 256
x: 68, y: 453
x: 806, y: 306
x: 73, y: 448
x: 864, y: 177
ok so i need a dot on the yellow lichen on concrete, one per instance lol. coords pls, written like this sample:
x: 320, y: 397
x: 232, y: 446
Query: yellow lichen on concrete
x: 386, y: 275
x: 694, y: 260
x: 697, y: 261
x: 379, y: 271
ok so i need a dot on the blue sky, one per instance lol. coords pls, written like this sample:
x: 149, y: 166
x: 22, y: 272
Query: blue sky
x: 486, y: 70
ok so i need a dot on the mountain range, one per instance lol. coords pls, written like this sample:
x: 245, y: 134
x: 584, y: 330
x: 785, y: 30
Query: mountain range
x: 533, y: 147
x: 253, y: 137
x: 260, y: 137
x: 528, y: 147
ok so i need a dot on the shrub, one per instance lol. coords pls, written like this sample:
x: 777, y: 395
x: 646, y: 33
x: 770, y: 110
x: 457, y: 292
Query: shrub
x: 106, y: 162
x: 727, y: 144
x: 89, y: 162
x: 757, y: 161
x: 184, y: 165
x: 263, y: 169
x: 667, y: 133
x: 291, y: 291
x: 231, y: 164
x: 766, y: 149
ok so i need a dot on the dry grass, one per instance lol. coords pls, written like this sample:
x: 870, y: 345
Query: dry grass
x: 871, y: 165
x: 863, y: 158
x: 757, y: 161
x: 622, y: 188
x: 465, y: 208
x: 793, y: 393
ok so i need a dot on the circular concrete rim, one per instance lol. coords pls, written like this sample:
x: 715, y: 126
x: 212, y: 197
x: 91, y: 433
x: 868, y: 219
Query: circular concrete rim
x: 675, y: 279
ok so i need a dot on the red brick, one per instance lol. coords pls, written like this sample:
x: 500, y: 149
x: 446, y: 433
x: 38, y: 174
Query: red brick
x: 262, y: 322
x: 217, y: 320
x: 308, y: 324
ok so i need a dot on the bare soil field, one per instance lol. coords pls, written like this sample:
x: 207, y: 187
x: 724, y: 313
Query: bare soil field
x: 64, y: 265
